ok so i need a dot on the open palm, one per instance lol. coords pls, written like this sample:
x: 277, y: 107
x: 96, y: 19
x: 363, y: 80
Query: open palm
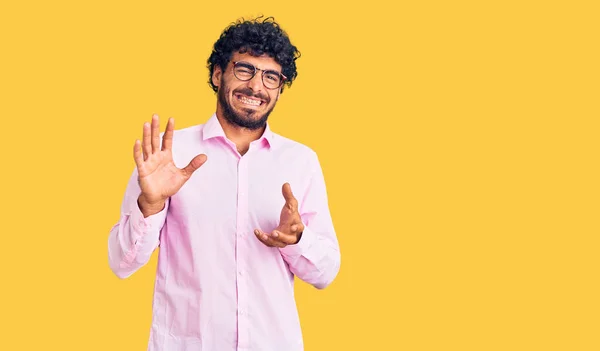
x: 158, y: 176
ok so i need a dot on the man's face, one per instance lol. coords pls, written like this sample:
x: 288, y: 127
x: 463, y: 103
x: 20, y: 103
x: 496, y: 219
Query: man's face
x: 246, y: 103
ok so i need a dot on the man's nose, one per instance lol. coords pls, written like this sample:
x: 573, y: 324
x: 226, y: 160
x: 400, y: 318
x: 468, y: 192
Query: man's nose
x: 256, y: 83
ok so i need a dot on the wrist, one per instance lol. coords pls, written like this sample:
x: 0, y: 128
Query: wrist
x: 149, y: 208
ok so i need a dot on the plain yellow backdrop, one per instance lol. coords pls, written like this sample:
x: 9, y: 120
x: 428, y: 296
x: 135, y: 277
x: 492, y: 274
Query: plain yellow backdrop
x: 459, y: 141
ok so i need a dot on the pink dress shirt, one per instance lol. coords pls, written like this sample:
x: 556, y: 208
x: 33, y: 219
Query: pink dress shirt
x: 218, y: 288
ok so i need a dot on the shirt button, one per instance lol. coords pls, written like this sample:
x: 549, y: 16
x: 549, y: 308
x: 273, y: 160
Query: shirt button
x: 240, y: 273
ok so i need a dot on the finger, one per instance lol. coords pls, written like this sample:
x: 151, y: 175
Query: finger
x: 137, y: 154
x: 146, y: 141
x: 267, y: 239
x: 284, y: 238
x: 168, y: 136
x: 263, y: 237
x: 155, y: 134
x: 194, y: 164
x: 290, y: 200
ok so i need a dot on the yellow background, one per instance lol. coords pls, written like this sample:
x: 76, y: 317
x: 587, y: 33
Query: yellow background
x: 459, y: 141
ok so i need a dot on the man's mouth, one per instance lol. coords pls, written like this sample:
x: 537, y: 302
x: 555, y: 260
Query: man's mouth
x: 247, y: 100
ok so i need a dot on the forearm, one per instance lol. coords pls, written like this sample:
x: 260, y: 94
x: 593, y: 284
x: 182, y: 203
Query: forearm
x: 134, y: 238
x: 315, y: 259
x: 132, y: 241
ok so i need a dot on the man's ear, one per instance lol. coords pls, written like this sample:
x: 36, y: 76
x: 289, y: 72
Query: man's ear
x: 216, y: 76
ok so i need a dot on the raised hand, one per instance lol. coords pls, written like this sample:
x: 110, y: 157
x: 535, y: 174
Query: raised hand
x: 158, y: 176
x: 290, y: 228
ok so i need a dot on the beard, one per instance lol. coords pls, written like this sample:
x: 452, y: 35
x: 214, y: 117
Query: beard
x: 243, y: 119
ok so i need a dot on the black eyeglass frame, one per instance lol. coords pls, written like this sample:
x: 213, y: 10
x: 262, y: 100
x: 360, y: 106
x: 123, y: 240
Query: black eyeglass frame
x: 282, y: 77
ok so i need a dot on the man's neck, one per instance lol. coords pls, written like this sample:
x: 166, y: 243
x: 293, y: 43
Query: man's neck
x: 241, y: 137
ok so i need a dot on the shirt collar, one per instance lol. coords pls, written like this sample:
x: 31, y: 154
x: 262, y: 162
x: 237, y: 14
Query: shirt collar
x: 213, y: 129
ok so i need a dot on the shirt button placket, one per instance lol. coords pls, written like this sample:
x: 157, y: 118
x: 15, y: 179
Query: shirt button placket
x: 242, y: 238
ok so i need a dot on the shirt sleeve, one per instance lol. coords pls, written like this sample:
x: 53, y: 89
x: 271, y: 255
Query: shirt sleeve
x: 133, y: 239
x: 315, y: 259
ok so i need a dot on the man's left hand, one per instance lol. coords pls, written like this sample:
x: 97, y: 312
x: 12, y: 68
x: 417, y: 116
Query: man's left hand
x: 290, y: 226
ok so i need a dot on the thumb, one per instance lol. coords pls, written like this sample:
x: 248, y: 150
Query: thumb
x: 290, y: 200
x: 194, y: 164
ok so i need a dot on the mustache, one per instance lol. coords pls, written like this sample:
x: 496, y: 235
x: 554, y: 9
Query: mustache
x: 248, y: 92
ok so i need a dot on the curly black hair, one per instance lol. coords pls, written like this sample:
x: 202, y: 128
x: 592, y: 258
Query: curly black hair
x: 255, y: 37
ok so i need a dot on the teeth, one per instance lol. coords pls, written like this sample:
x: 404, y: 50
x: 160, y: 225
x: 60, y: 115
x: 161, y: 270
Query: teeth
x: 250, y: 101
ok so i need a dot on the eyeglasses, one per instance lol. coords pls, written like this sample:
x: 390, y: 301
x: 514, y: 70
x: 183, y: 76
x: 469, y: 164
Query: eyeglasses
x: 245, y: 71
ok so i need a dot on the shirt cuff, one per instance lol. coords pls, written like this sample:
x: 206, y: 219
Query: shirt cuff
x: 302, y: 246
x: 142, y: 225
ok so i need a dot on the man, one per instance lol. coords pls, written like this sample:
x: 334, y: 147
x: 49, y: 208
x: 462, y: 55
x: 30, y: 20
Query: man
x: 237, y: 210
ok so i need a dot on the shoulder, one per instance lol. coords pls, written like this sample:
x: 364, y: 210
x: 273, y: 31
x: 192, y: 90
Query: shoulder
x: 292, y: 147
x: 193, y: 132
x: 187, y: 143
x: 187, y: 138
x: 292, y: 151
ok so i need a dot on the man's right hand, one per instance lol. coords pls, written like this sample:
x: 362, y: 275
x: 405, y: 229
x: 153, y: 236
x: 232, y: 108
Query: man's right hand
x: 158, y: 176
